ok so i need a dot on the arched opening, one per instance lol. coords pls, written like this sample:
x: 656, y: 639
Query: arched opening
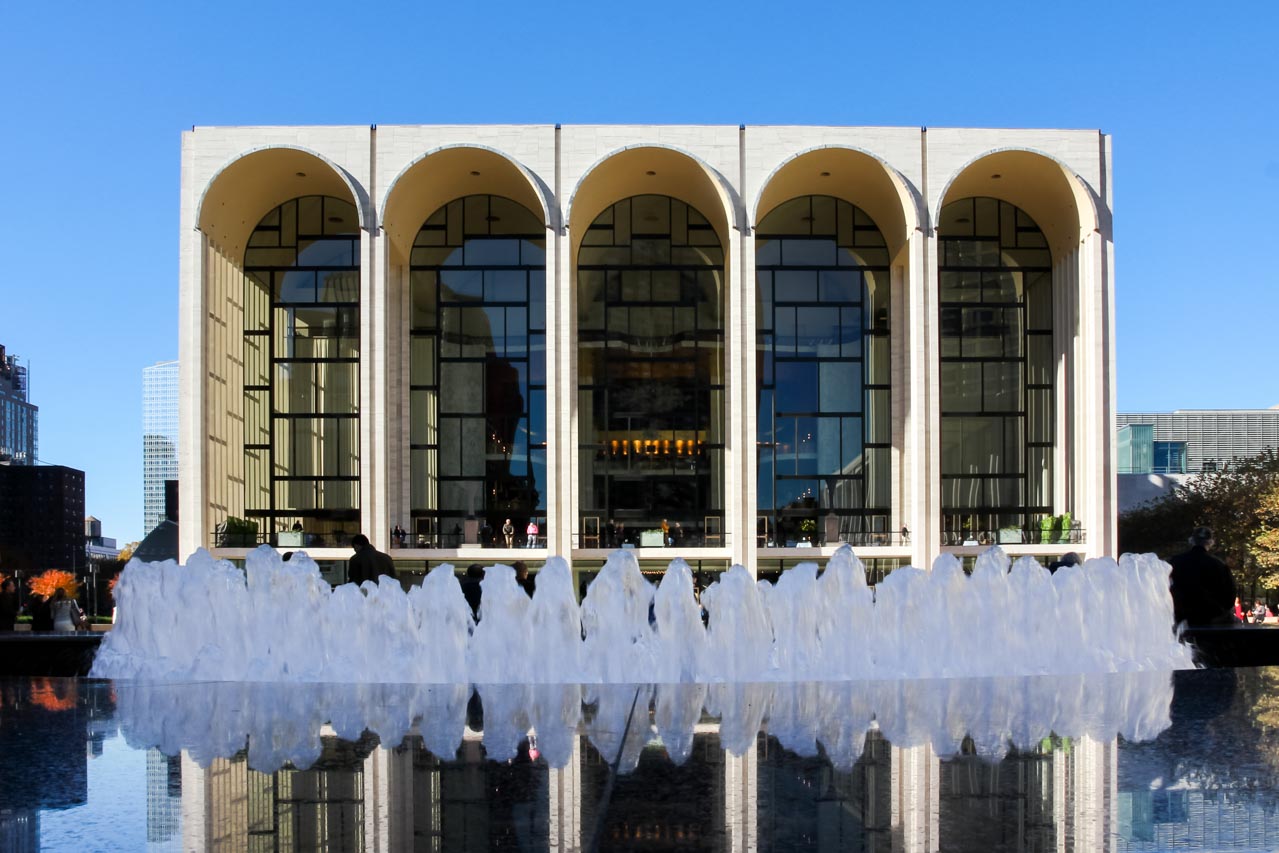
x: 824, y: 420
x: 252, y: 337
x: 651, y: 357
x: 477, y: 371
x: 880, y: 193
x: 301, y: 361
x: 997, y: 371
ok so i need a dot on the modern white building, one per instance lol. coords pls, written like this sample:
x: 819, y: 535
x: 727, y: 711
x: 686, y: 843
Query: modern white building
x: 732, y: 344
x: 159, y: 438
x: 1158, y: 451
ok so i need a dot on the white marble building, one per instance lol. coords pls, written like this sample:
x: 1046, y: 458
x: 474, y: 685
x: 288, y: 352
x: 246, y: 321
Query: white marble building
x: 767, y: 339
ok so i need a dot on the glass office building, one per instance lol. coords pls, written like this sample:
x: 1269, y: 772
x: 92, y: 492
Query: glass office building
x: 737, y: 345
x: 19, y: 418
x: 159, y: 438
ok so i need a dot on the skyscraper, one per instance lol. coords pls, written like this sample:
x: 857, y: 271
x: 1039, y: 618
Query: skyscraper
x: 18, y: 417
x: 159, y: 437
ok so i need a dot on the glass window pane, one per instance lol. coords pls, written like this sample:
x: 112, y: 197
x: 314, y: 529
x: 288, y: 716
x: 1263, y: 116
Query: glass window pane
x: 841, y: 386
x: 796, y: 386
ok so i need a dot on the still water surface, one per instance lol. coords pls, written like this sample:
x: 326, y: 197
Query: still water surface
x: 1149, y: 761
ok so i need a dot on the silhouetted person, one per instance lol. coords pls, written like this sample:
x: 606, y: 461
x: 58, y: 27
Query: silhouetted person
x: 1203, y: 590
x: 367, y: 563
x: 41, y: 612
x: 471, y: 588
x: 1069, y: 559
x: 522, y: 577
x: 8, y: 604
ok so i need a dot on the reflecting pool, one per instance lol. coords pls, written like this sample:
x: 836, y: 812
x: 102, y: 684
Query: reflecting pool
x: 1137, y: 761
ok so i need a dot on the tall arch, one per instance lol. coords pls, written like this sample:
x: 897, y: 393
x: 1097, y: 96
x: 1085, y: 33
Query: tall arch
x: 654, y: 170
x: 1057, y: 199
x: 259, y: 180
x: 450, y: 172
x: 674, y: 189
x: 854, y: 175
x: 251, y: 188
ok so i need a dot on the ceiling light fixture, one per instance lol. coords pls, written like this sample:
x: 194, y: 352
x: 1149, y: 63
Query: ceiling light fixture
x: 996, y: 176
x: 650, y: 173
x: 474, y: 174
x: 300, y: 174
x: 825, y: 174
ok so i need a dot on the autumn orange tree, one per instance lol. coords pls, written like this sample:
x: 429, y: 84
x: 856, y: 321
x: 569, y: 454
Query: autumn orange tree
x: 48, y: 582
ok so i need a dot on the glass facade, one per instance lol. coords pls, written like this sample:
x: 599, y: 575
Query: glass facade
x: 159, y: 438
x: 651, y: 404
x: 477, y: 373
x: 19, y: 418
x: 824, y: 419
x: 997, y: 369
x: 302, y: 369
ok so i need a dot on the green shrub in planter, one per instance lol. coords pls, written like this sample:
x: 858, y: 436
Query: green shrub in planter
x: 238, y: 533
x: 1064, y: 521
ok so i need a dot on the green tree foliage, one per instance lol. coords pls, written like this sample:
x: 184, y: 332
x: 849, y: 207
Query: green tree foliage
x: 1240, y: 503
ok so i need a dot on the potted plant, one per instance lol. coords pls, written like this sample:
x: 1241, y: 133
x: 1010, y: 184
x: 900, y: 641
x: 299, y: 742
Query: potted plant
x: 238, y: 533
x: 1064, y: 522
x: 807, y: 528
x: 1046, y: 529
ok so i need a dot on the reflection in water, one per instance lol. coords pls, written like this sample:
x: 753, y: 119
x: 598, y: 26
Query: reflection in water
x: 1120, y: 762
x: 278, y: 725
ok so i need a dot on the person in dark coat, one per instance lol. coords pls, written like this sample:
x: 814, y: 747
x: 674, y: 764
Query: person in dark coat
x: 1203, y: 590
x: 40, y: 610
x: 8, y: 604
x: 367, y: 563
x: 471, y: 588
x: 523, y: 578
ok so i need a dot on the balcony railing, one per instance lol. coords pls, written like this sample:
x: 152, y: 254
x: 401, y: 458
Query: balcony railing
x: 1035, y: 535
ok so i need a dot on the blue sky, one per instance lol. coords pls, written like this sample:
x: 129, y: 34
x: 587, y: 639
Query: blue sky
x: 95, y: 96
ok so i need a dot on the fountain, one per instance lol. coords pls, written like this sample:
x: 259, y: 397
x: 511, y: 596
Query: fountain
x: 280, y: 621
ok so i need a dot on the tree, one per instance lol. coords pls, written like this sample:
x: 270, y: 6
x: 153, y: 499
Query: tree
x: 48, y: 582
x: 1240, y: 503
x: 126, y: 553
x: 1265, y: 549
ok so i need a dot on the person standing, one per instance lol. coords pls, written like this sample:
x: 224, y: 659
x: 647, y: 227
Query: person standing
x: 66, y: 612
x: 1203, y: 590
x: 367, y: 563
x: 472, y: 591
x: 508, y: 533
x: 39, y: 608
x: 531, y: 531
x: 523, y: 578
x: 8, y: 604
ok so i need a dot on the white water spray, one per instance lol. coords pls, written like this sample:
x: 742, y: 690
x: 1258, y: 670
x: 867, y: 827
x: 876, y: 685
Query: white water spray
x: 279, y: 621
